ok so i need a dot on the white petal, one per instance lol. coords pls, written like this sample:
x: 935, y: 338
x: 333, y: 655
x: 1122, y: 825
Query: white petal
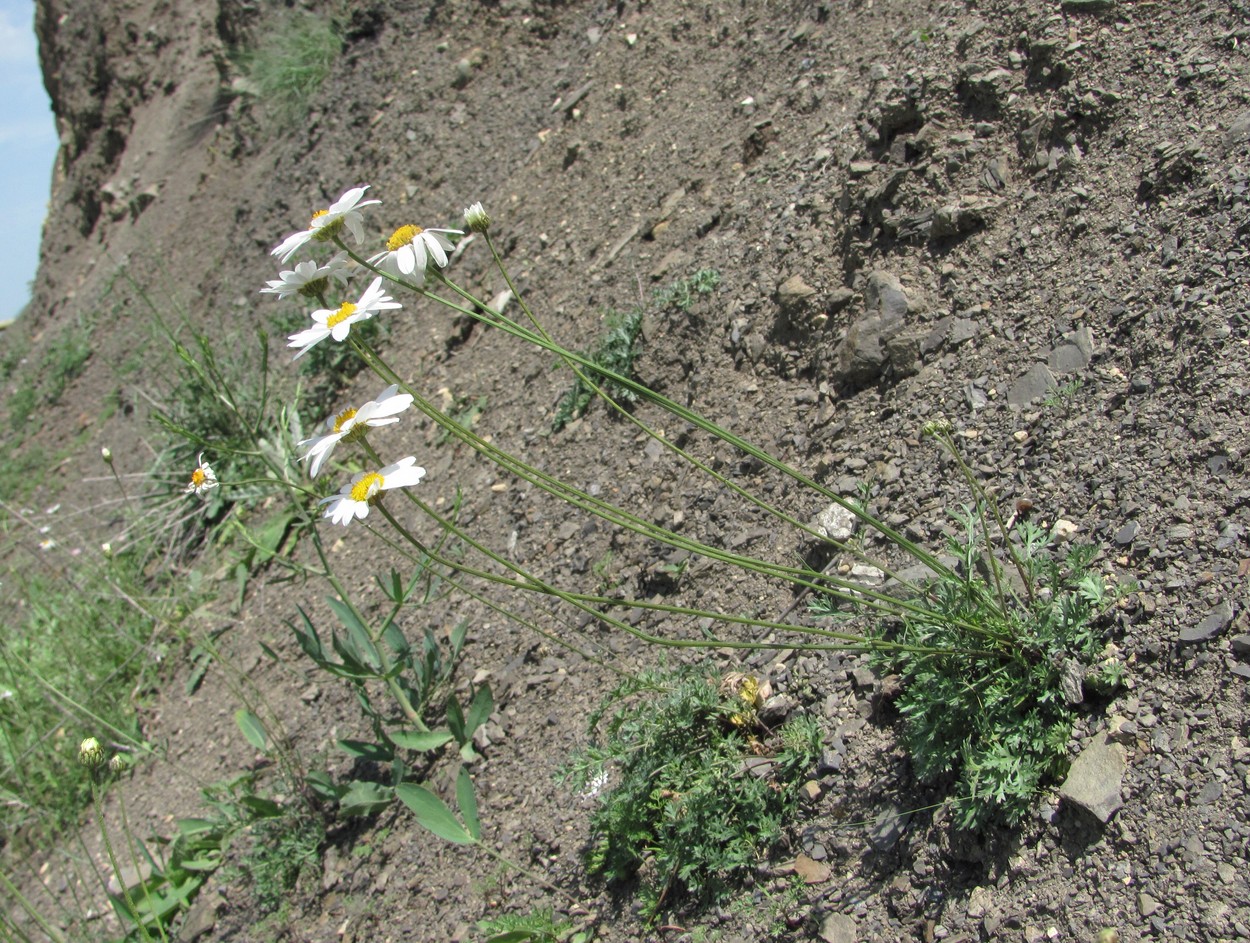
x: 288, y: 246
x: 404, y: 478
x: 436, y: 250
x: 405, y: 260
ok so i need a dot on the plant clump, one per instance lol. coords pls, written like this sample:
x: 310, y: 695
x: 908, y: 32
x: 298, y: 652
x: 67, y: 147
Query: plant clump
x: 700, y: 787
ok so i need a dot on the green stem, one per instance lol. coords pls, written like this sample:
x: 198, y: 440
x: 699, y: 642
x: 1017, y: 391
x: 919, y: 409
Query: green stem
x: 117, y: 871
x: 843, y: 590
x: 541, y: 340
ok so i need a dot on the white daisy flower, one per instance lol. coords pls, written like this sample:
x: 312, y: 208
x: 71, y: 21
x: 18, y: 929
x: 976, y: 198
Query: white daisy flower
x: 308, y: 278
x: 202, y: 479
x: 353, y: 499
x: 328, y: 223
x: 475, y: 218
x: 410, y: 248
x: 337, y: 323
x: 352, y: 424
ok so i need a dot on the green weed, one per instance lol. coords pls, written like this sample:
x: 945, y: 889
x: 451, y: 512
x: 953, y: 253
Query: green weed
x: 287, y: 67
x: 619, y: 347
x: 540, y: 926
x: 616, y: 352
x: 681, y: 294
x: 700, y: 788
x: 989, y: 713
x: 80, y: 642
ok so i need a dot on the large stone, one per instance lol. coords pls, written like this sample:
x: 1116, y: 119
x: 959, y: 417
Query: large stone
x: 1238, y: 132
x: 838, y: 928
x: 1073, y: 353
x: 1095, y: 779
x: 1216, y: 621
x: 795, y: 295
x: 865, y: 352
x: 1032, y: 385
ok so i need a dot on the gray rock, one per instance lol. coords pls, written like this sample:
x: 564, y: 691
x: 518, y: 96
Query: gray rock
x: 959, y: 219
x: 888, y: 828
x: 838, y: 299
x: 1241, y: 645
x: 1094, y: 781
x: 795, y: 295
x: 1126, y: 534
x: 903, y: 352
x: 1087, y: 6
x: 201, y: 918
x: 1035, y: 383
x: 1071, y: 682
x: 885, y: 297
x: 863, y: 354
x: 1216, y: 621
x: 962, y: 331
x: 1074, y: 353
x: 1239, y: 131
x: 838, y: 928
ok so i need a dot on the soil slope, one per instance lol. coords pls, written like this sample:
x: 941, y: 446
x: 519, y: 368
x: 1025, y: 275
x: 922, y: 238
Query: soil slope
x: 1030, y: 219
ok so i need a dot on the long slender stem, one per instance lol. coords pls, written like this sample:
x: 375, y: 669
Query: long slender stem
x: 845, y: 590
x: 117, y: 871
x: 682, y: 412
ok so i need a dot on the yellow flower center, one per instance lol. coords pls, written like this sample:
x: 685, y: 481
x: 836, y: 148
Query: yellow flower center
x: 198, y: 477
x: 367, y: 487
x: 345, y: 311
x: 403, y: 236
x: 342, y: 418
x: 316, y: 216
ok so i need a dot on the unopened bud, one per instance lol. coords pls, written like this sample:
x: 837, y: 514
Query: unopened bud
x: 106, y: 548
x: 475, y: 218
x: 107, y: 454
x: 91, y: 754
x: 117, y: 764
x: 936, y: 427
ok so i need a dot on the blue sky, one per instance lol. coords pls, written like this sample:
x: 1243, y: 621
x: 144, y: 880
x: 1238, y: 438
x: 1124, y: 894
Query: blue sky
x: 27, y: 149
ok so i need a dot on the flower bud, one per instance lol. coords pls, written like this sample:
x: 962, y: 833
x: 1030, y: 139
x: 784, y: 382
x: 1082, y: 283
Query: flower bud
x: 107, y: 454
x: 936, y: 427
x: 117, y: 764
x: 475, y: 218
x: 106, y: 548
x: 91, y: 754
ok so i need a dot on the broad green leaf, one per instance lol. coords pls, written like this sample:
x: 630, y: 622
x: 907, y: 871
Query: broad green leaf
x: 261, y: 807
x: 468, y: 803
x: 433, y: 813
x: 204, y: 863
x: 252, y: 728
x: 479, y: 710
x: 376, y: 752
x: 455, y: 719
x: 363, y: 798
x: 323, y: 786
x: 422, y: 740
x: 192, y: 827
x: 356, y: 631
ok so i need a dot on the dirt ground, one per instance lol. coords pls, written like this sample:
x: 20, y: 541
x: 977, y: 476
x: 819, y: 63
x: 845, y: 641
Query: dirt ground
x: 1054, y: 196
